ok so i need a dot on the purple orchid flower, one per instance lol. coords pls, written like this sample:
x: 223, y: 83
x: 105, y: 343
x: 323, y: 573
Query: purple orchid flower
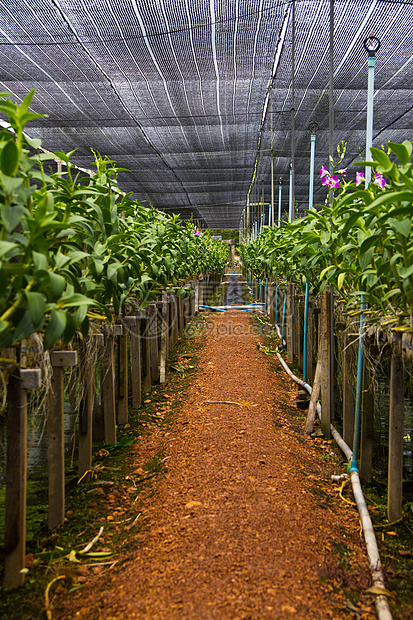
x: 359, y: 178
x: 379, y: 180
x: 334, y: 181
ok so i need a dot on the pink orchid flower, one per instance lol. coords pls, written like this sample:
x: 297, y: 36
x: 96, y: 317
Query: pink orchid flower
x: 379, y: 180
x: 359, y: 178
x: 334, y: 181
x: 323, y: 172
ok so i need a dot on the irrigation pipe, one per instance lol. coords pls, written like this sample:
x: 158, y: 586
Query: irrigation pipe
x: 376, y: 571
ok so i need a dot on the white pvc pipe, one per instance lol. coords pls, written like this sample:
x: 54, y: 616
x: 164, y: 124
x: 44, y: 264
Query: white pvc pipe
x: 376, y: 571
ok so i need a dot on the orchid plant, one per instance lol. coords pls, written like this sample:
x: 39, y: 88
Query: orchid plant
x: 360, y: 241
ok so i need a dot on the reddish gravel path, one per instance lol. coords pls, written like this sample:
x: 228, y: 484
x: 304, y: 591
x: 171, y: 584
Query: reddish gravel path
x: 245, y: 524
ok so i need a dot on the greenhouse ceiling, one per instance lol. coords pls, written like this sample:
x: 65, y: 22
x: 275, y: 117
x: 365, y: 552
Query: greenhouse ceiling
x: 202, y: 100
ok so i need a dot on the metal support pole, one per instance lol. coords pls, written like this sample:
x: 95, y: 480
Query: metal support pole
x: 279, y: 201
x: 369, y: 127
x: 312, y: 159
x: 371, y: 45
x: 271, y: 222
x: 290, y: 197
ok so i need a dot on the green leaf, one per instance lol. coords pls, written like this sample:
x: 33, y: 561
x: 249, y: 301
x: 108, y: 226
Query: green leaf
x: 403, y: 227
x: 24, y: 328
x: 40, y: 260
x: 70, y: 329
x: 381, y: 157
x: 340, y: 279
x: 364, y: 259
x: 80, y: 314
x: 7, y: 247
x: 55, y: 328
x: 401, y: 151
x: 10, y: 159
x: 35, y: 143
x: 406, y: 272
x: 10, y: 184
x: 24, y: 106
x: 37, y: 305
x: 71, y: 301
x: 6, y: 336
x: 391, y: 198
x: 58, y: 284
x: 12, y: 216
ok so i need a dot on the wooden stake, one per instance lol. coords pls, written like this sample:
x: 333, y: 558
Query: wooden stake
x: 289, y: 323
x: 146, y: 354
x: 16, y: 475
x: 55, y: 437
x: 367, y: 425
x: 180, y: 314
x: 349, y: 363
x: 123, y: 387
x: 396, y: 422
x: 325, y: 347
x: 136, y: 366
x: 153, y: 336
x: 315, y: 394
x: 310, y: 342
x: 300, y: 331
x: 107, y: 387
x: 164, y: 338
x: 85, y: 417
x: 174, y: 320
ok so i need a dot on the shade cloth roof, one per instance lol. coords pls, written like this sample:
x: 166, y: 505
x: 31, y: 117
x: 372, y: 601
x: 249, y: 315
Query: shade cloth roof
x: 179, y: 91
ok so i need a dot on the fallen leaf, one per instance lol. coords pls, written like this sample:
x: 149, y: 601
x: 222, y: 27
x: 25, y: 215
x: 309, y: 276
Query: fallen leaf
x: 193, y: 504
x: 405, y: 553
x: 289, y: 609
x: 379, y: 590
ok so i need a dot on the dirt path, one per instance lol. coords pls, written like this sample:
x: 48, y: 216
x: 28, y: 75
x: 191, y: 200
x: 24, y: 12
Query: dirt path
x: 245, y: 524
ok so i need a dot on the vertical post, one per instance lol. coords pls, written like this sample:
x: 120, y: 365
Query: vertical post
x: 197, y: 292
x: 290, y: 196
x: 85, y: 414
x: 16, y: 475
x: 180, y: 314
x: 291, y: 215
x: 164, y: 338
x: 280, y: 187
x: 55, y: 437
x: 396, y: 421
x: 174, y: 319
x: 367, y: 426
x: 309, y: 376
x: 271, y: 223
x: 371, y: 44
x: 290, y: 320
x: 123, y: 387
x: 300, y: 333
x: 107, y: 388
x: 136, y: 365
x: 153, y: 337
x: 312, y: 161
x: 349, y: 361
x: 146, y: 353
x: 331, y: 94
x: 325, y: 348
